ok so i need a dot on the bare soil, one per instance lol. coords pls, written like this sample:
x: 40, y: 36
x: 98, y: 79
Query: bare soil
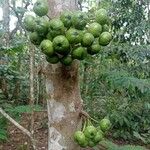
x: 18, y: 141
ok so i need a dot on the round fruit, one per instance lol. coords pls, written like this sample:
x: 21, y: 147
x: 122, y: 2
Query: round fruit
x: 79, y: 53
x: 105, y: 124
x: 88, y: 39
x: 47, y: 47
x: 41, y: 26
x: 105, y: 38
x: 102, y: 10
x: 54, y: 59
x: 74, y: 36
x: 101, y: 16
x: 95, y: 28
x: 90, y: 132
x: 29, y: 23
x: 61, y: 44
x: 94, y: 48
x: 66, y: 18
x: 35, y: 38
x: 91, y: 143
x: 79, y: 20
x: 105, y: 28
x: 56, y: 27
x: 98, y: 137
x: 79, y: 137
x: 49, y: 36
x: 85, y: 144
x: 40, y: 8
x: 66, y: 60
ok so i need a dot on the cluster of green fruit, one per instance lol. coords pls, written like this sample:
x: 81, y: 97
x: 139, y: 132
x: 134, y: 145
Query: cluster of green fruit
x: 71, y: 36
x: 91, y: 136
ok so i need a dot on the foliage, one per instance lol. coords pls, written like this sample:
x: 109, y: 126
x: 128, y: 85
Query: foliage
x: 3, y: 128
x: 136, y: 24
x: 24, y: 108
x: 111, y: 146
x: 122, y: 92
x: 14, y: 60
x: 14, y: 112
x: 117, y: 83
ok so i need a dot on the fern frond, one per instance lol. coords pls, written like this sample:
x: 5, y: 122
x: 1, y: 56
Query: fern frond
x: 131, y: 147
x: 112, y: 146
x: 24, y: 108
x: 122, y: 79
x: 3, y: 134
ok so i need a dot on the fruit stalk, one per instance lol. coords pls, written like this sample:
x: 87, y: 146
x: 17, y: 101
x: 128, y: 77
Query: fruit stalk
x: 88, y: 116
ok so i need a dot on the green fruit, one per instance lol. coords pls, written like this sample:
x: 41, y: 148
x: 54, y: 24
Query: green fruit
x: 41, y: 26
x: 91, y: 143
x: 79, y: 137
x: 90, y: 132
x: 101, y: 16
x: 66, y: 18
x: 74, y: 36
x: 88, y: 39
x: 94, y: 48
x: 95, y: 28
x: 98, y: 137
x: 40, y: 8
x: 29, y: 23
x: 79, y: 20
x: 49, y: 36
x: 66, y: 60
x: 105, y: 28
x: 61, y: 45
x: 35, y: 38
x: 56, y: 27
x: 47, y: 47
x: 105, y: 38
x: 54, y: 59
x: 105, y: 124
x: 102, y: 11
x: 84, y: 144
x: 79, y: 53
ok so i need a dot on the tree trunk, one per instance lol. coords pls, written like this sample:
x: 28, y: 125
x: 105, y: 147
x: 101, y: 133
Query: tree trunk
x: 41, y: 87
x: 31, y: 102
x: 64, y: 105
x: 31, y: 74
x: 4, y: 87
x: 63, y: 94
x: 6, y: 20
x: 85, y: 79
x: 16, y: 92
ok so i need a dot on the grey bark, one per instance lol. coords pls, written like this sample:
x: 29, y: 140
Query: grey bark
x: 5, y: 41
x: 32, y: 89
x: 6, y: 20
x: 64, y: 106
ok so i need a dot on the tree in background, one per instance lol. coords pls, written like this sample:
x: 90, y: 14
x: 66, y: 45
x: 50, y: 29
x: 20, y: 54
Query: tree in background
x: 112, y: 81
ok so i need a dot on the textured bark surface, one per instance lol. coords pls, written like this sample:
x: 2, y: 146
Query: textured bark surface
x: 64, y: 101
x: 63, y: 94
x: 64, y: 104
x: 57, y: 6
x: 6, y: 20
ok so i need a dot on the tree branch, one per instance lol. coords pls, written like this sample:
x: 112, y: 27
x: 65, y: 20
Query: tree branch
x: 19, y: 19
x: 25, y: 131
x: 80, y: 5
x: 83, y: 113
